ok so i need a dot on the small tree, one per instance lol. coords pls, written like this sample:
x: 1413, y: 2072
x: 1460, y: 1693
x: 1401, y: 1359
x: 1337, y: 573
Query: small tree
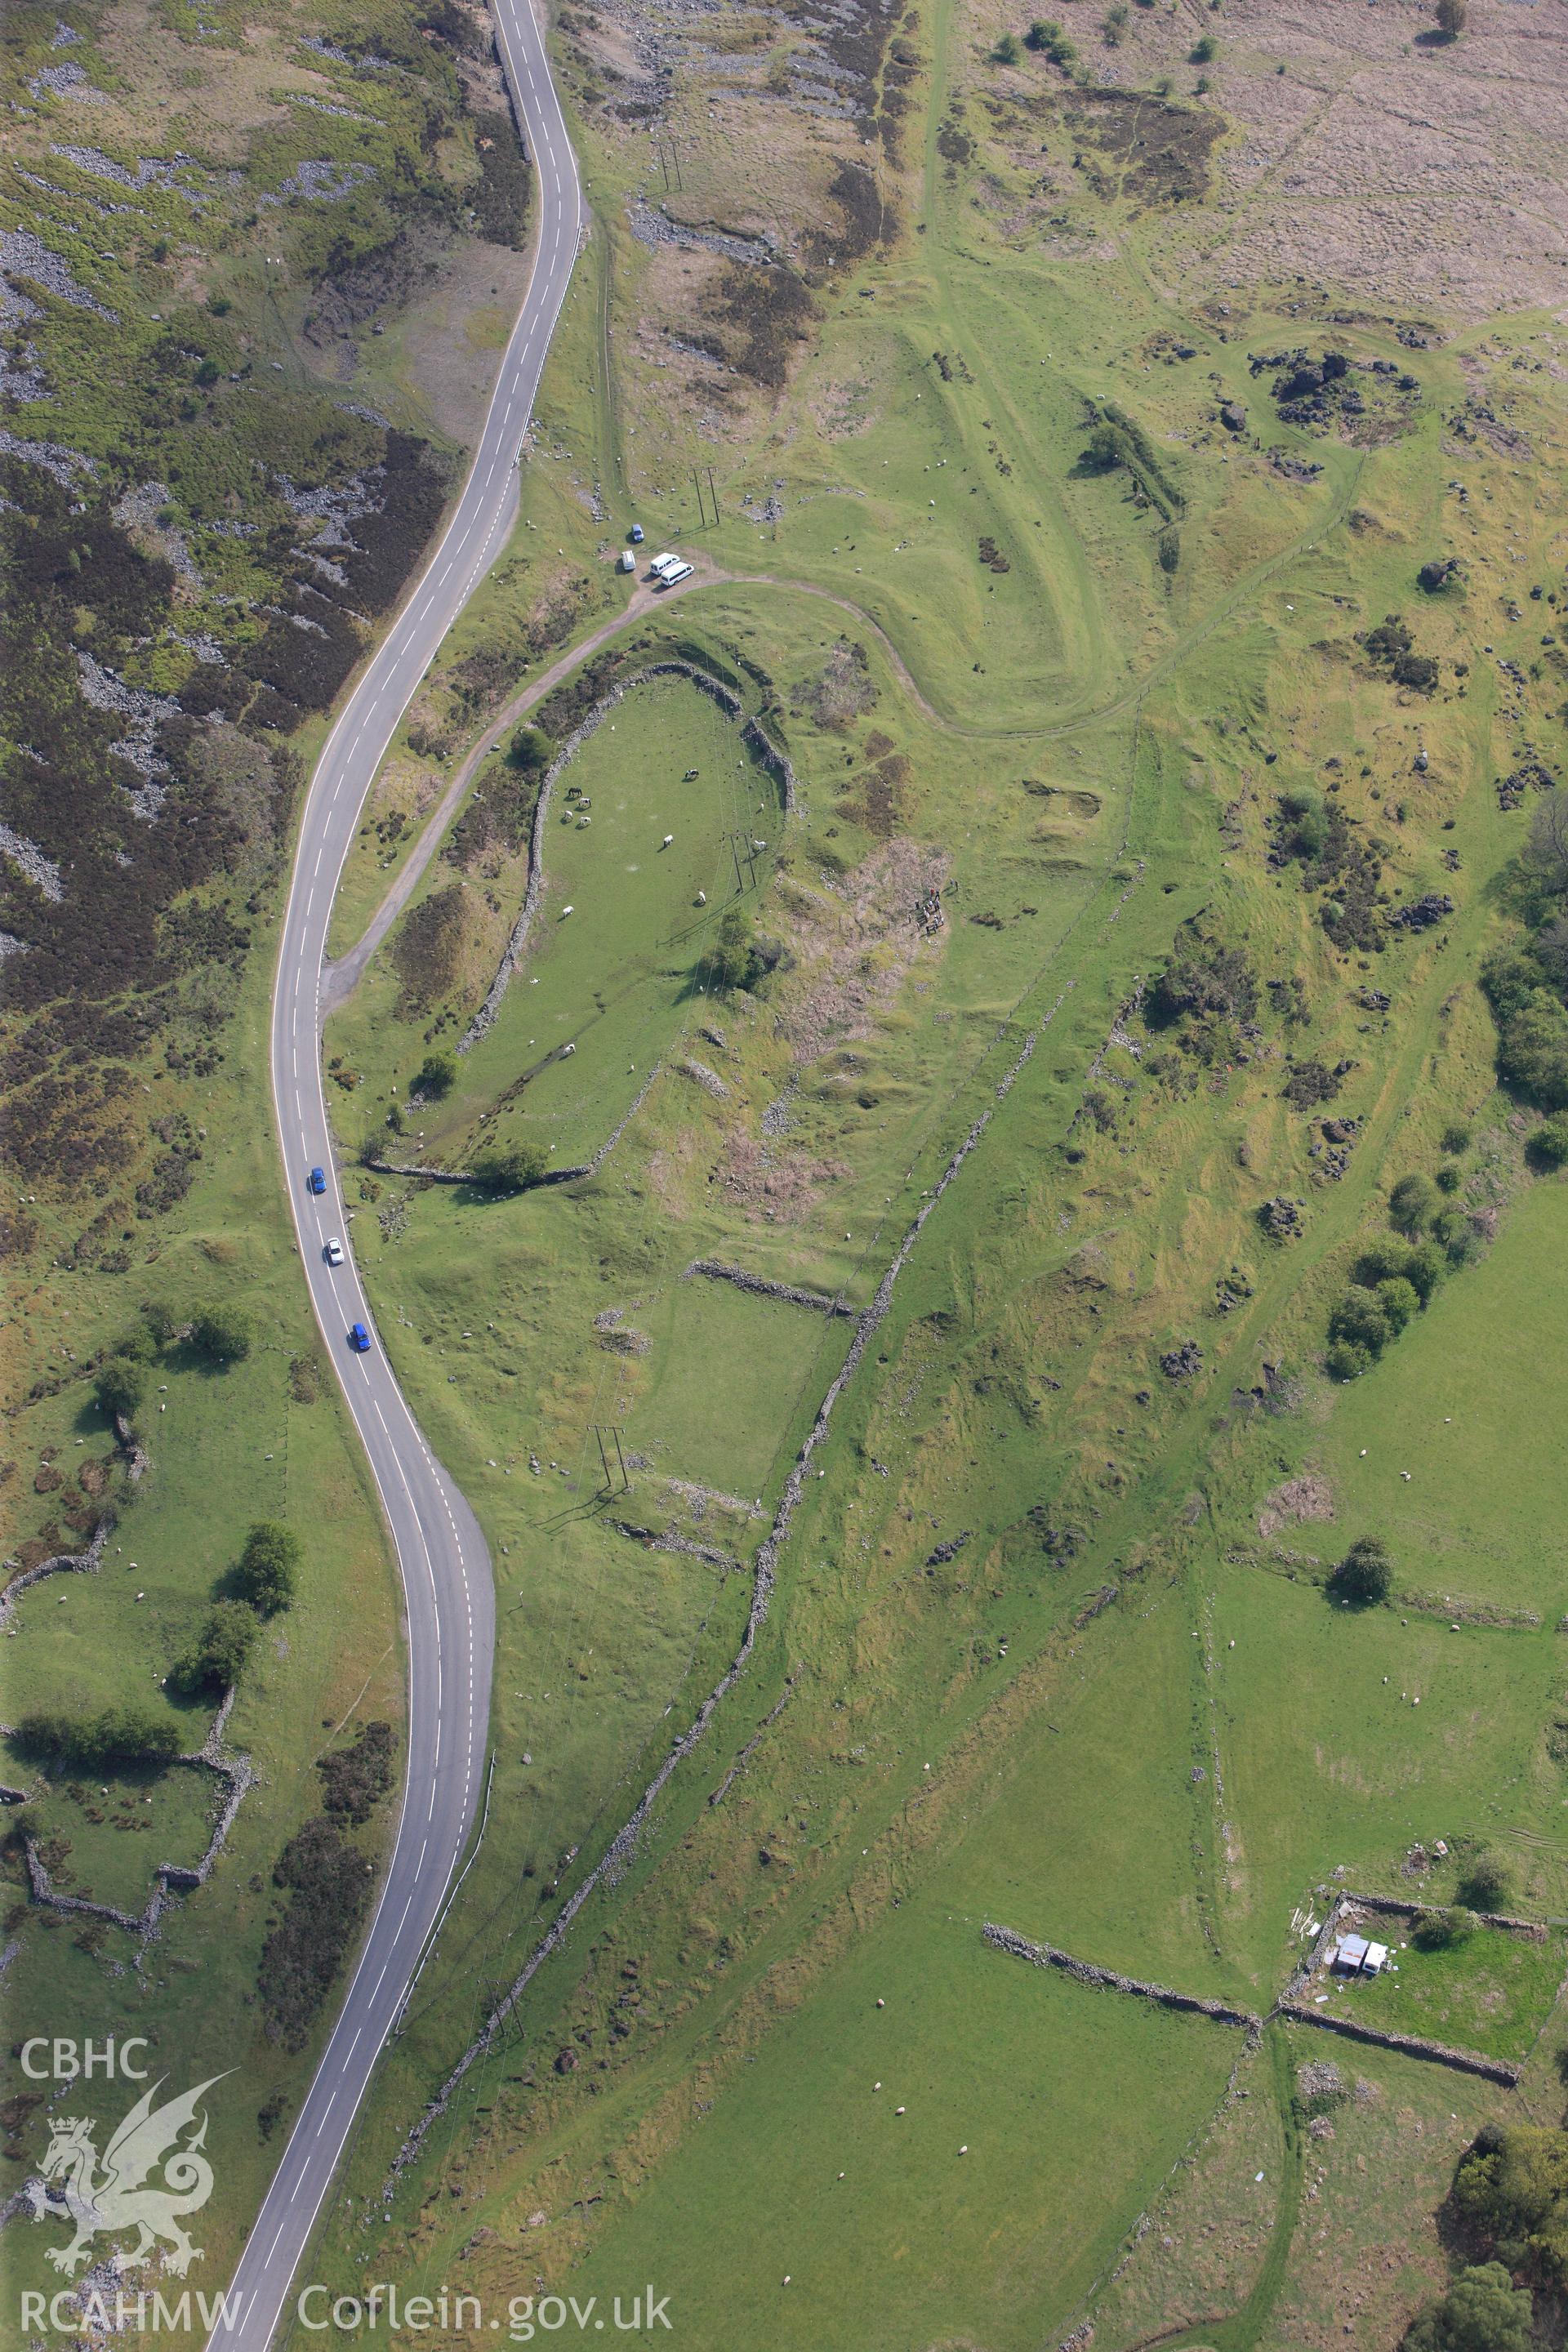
x: 215, y: 1658
x: 510, y: 1168
x: 531, y: 751
x: 1490, y: 1881
x: 222, y: 1335
x: 438, y: 1074
x: 1205, y: 51
x: 1413, y: 1203
x: 119, y: 1387
x: 1106, y: 449
x: 268, y: 1572
x: 1452, y: 17
x: 1483, y: 2311
x: 1363, y: 1576
x: 1005, y: 52
x: 1399, y: 1302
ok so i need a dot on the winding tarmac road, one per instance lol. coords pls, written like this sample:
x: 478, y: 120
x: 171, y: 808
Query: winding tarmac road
x: 442, y: 1556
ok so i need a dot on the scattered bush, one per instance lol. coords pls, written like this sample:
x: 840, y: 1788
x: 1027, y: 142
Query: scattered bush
x: 1413, y: 1203
x: 1456, y: 1137
x: 268, y: 1571
x: 1047, y: 38
x: 1532, y: 1051
x: 1359, y: 1320
x: 1549, y: 1144
x: 1005, y: 52
x: 328, y: 1886
x: 1363, y: 1576
x: 354, y: 1779
x: 1452, y: 17
x: 1205, y: 51
x: 1305, y: 831
x: 738, y: 958
x: 216, y: 1657
x: 222, y: 1335
x: 1509, y: 978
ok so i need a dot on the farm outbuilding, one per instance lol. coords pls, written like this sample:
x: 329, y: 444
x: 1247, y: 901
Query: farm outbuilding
x: 1355, y: 1956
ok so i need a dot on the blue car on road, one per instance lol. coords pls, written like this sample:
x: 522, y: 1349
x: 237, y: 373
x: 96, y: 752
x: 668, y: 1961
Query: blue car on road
x: 318, y: 1180
x: 359, y: 1339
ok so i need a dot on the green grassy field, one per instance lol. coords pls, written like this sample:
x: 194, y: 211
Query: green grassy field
x: 1007, y: 2100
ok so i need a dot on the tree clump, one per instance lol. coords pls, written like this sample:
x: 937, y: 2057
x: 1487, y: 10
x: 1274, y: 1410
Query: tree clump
x: 508, y: 1168
x: 217, y: 1656
x: 127, y: 1734
x: 222, y: 1335
x: 529, y: 752
x: 1483, y: 2311
x: 437, y: 1075
x: 1362, y: 1578
x: 268, y: 1573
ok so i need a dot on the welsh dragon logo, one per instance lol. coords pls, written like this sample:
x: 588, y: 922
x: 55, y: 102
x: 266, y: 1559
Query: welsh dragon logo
x: 113, y: 2192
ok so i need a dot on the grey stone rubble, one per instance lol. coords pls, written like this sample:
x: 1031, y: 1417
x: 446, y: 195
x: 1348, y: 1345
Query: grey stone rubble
x: 791, y: 1295
x: 366, y: 64
x: 618, y: 1855
x: 318, y: 180
x: 30, y: 862
x: 671, y: 1539
x: 51, y: 456
x: 24, y: 254
x: 63, y: 37
x: 485, y: 1018
x: 156, y: 172
x: 138, y: 509
x: 708, y: 1080
x: 65, y: 82
x: 105, y: 691
x: 651, y: 226
x: 344, y: 113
